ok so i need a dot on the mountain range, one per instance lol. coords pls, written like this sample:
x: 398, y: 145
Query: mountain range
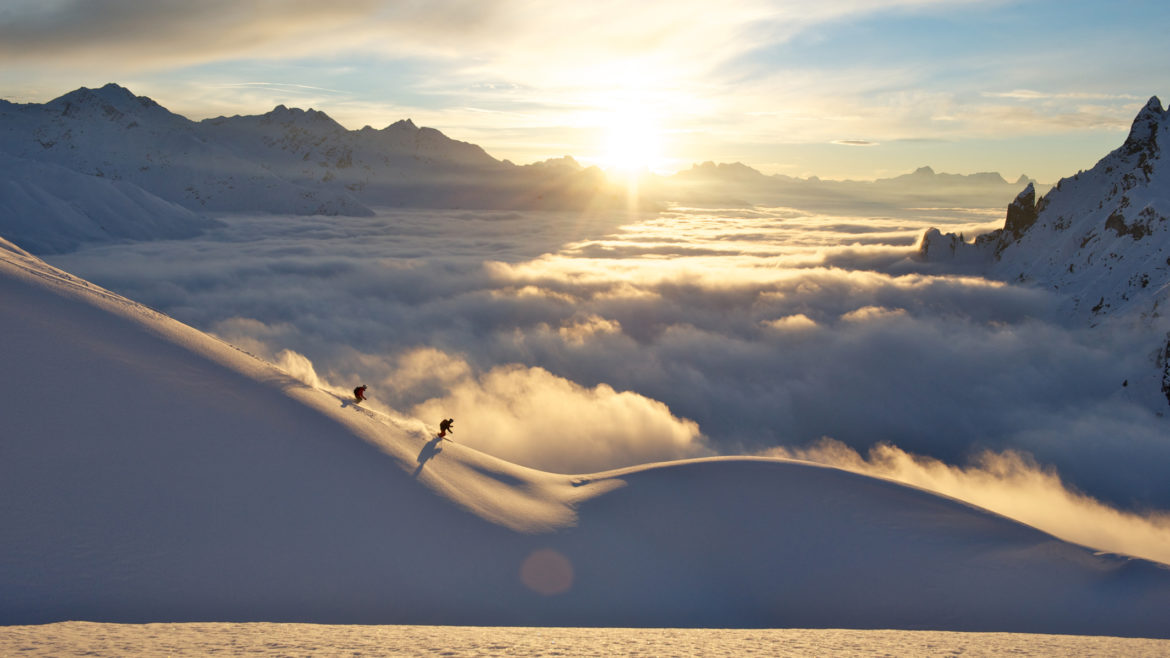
x: 65, y: 165
x: 737, y: 184
x: 167, y: 169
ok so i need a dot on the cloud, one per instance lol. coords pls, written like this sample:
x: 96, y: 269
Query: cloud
x: 532, y: 417
x: 671, y: 334
x: 141, y: 34
x: 525, y: 415
x: 132, y: 35
x: 1030, y: 94
x: 1010, y: 483
x: 299, y: 366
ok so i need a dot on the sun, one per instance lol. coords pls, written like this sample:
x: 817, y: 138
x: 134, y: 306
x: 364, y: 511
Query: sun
x: 632, y: 143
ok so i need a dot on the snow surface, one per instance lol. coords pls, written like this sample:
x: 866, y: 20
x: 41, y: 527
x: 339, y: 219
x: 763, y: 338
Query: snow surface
x: 84, y: 638
x: 152, y: 473
x: 50, y: 209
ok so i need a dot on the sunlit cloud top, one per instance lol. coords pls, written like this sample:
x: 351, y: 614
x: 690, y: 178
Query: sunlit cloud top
x: 1043, y: 88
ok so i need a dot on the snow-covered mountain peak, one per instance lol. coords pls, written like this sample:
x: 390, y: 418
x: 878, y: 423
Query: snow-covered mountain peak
x: 109, y: 93
x: 1142, y: 141
x: 1101, y: 238
x: 402, y: 125
x: 1146, y: 122
x: 309, y: 119
x: 111, y: 101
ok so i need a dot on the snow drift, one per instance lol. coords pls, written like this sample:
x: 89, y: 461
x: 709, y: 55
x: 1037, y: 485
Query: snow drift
x: 154, y: 473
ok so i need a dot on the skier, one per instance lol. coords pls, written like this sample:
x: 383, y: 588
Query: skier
x: 445, y: 427
x: 359, y: 394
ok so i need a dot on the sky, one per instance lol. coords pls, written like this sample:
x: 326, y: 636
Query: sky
x: 838, y: 89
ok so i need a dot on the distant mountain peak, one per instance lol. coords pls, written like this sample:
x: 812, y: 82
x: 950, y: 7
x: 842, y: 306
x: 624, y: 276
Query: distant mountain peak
x: 310, y: 117
x: 110, y: 98
x: 107, y: 92
x: 402, y: 124
x: 565, y: 163
x: 1143, y: 131
x: 733, y: 170
x: 1154, y: 106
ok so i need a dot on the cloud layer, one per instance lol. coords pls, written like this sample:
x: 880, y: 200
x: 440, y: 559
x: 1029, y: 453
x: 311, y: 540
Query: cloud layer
x: 575, y: 343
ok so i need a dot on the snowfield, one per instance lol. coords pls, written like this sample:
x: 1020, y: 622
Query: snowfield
x: 152, y: 473
x: 86, y: 638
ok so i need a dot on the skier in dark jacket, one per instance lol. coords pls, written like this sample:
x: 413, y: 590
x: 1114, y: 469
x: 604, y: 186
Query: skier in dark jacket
x: 359, y: 394
x: 445, y: 427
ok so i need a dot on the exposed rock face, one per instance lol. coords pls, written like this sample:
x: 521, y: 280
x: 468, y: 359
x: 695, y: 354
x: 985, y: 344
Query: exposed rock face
x: 1021, y: 215
x: 937, y: 246
x: 1163, y: 360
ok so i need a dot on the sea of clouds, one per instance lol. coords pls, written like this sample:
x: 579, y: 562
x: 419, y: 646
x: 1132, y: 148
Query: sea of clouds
x: 578, y: 342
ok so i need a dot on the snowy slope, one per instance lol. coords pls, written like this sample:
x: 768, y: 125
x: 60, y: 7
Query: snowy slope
x: 50, y: 209
x: 1102, y: 236
x: 153, y: 473
x: 110, y: 133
